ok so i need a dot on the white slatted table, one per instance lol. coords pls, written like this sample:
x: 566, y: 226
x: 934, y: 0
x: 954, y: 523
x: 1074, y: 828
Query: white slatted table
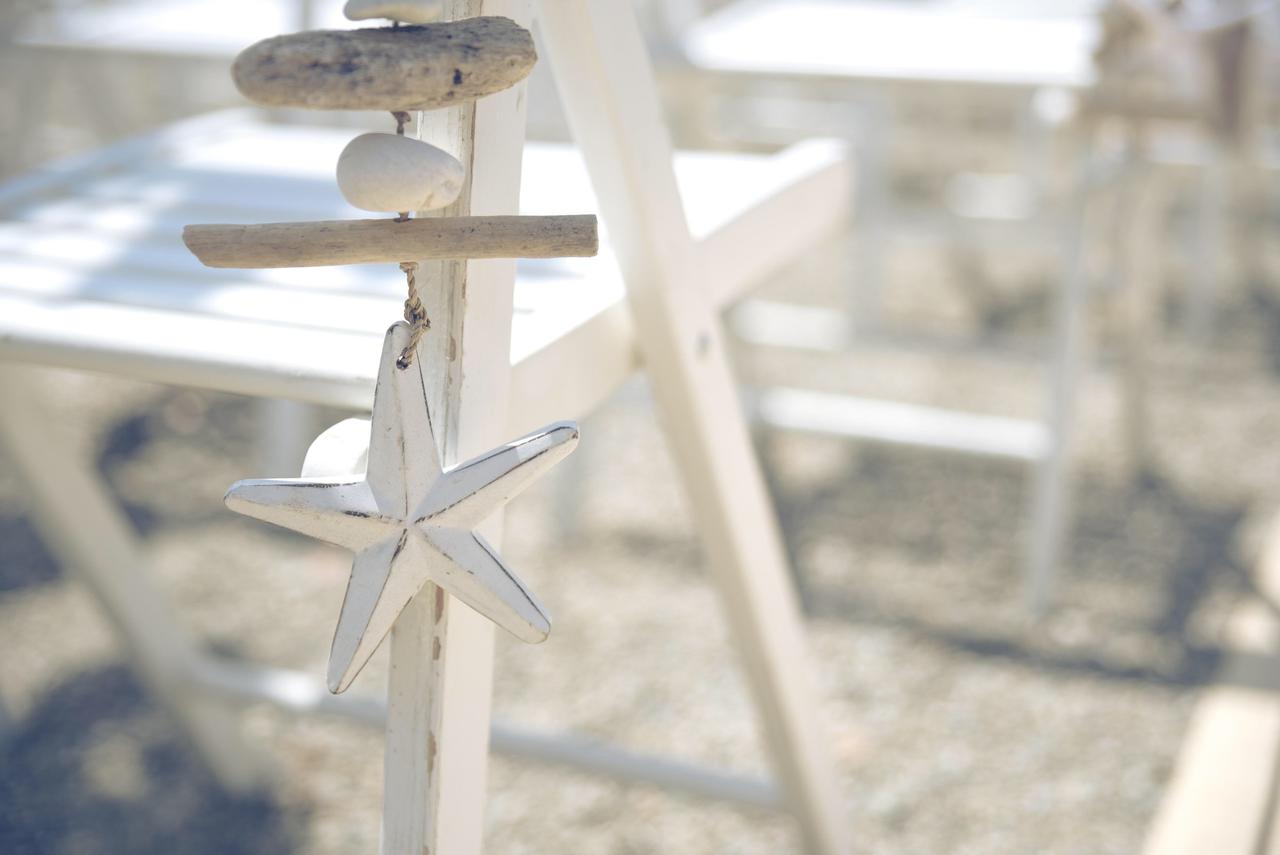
x: 93, y: 276
x: 93, y: 273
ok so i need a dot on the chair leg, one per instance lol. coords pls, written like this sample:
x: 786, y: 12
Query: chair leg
x: 1141, y: 225
x: 570, y: 492
x: 86, y: 530
x: 606, y: 85
x: 1210, y: 236
x: 1049, y: 501
x: 286, y: 429
x: 872, y: 210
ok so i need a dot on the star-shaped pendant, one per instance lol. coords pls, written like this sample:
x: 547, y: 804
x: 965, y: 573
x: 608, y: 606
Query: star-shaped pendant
x: 408, y: 521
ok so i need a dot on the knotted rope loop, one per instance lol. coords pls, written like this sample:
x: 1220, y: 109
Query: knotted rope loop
x: 414, y: 313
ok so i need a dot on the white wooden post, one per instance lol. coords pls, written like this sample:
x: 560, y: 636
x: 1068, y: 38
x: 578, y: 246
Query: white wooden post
x: 85, y: 528
x: 873, y: 213
x: 285, y: 429
x: 1068, y: 349
x: 1210, y: 237
x: 438, y: 699
x: 606, y: 84
x: 1140, y: 232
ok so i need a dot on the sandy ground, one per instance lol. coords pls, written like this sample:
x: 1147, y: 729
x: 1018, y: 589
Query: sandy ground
x: 958, y: 724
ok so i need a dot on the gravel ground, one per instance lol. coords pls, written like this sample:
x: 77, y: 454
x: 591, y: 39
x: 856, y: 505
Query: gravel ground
x: 959, y: 725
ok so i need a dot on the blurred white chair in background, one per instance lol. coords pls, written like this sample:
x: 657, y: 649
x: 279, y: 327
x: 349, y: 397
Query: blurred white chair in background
x: 764, y: 71
x: 761, y: 71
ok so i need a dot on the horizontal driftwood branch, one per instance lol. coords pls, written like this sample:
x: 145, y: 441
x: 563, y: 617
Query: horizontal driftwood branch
x: 386, y: 68
x: 334, y: 242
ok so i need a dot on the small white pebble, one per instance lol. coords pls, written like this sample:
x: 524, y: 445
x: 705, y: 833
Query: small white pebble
x: 404, y: 11
x: 390, y: 173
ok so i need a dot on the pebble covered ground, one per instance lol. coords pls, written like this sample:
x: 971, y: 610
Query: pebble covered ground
x: 958, y: 724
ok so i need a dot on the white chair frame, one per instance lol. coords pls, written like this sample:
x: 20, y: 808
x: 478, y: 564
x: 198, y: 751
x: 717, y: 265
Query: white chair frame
x: 676, y: 287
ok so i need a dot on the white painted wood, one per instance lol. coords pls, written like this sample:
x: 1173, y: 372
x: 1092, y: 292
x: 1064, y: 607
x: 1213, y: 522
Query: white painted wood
x: 804, y: 198
x: 1143, y: 207
x: 875, y: 203
x: 1067, y: 358
x: 1210, y: 238
x: 893, y: 422
x: 1221, y: 797
x: 301, y: 694
x: 81, y: 288
x: 407, y: 521
x: 550, y: 374
x: 85, y: 528
x: 437, y: 746
x: 822, y: 329
x: 772, y: 323
x: 840, y: 50
x: 286, y: 429
x: 606, y: 85
x: 933, y: 42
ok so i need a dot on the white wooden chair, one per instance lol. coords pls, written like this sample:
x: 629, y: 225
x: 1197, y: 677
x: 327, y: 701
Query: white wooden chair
x: 852, y: 61
x: 93, y: 277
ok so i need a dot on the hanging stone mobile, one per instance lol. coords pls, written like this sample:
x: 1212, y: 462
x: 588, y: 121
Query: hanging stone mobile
x: 409, y: 521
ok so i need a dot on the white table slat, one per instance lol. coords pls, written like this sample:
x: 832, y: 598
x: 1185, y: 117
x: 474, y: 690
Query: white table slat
x: 1026, y: 45
x: 93, y: 274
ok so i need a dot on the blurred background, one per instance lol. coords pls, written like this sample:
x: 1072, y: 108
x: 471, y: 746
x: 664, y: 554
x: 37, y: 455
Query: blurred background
x: 1017, y: 416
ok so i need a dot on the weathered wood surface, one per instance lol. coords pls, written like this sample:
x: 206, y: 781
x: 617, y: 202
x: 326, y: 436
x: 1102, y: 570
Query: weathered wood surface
x: 440, y: 668
x: 408, y: 520
x: 387, y: 68
x: 336, y: 242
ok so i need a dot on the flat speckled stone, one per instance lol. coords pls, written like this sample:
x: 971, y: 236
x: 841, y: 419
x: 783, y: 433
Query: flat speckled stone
x: 387, y: 68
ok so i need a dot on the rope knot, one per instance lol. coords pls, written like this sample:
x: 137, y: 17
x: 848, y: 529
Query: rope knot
x: 414, y: 313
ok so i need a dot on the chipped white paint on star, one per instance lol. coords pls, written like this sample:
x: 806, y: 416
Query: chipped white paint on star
x: 408, y: 521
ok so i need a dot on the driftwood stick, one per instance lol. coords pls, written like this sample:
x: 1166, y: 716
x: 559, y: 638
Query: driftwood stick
x: 334, y: 242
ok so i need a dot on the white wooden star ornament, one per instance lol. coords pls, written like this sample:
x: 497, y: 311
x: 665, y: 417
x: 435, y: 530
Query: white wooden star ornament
x: 409, y: 521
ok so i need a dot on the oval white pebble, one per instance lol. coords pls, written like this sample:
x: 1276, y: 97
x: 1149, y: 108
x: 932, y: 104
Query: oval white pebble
x: 404, y: 11
x: 391, y: 173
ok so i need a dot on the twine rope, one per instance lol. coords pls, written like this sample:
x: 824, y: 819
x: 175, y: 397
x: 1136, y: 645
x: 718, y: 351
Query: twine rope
x: 402, y: 119
x: 414, y: 312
